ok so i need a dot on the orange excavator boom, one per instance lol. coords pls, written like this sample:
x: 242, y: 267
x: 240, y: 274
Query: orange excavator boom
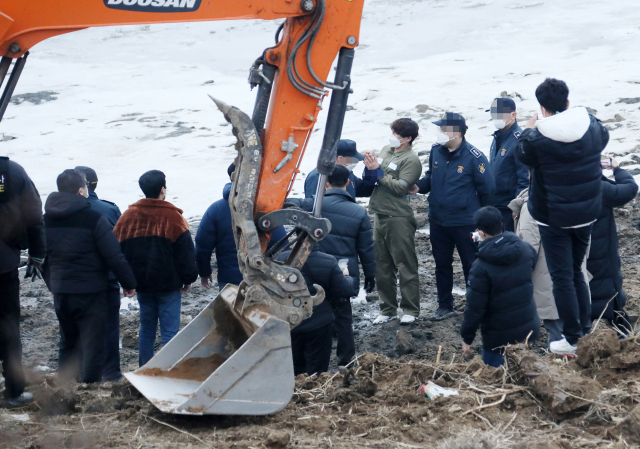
x: 240, y: 343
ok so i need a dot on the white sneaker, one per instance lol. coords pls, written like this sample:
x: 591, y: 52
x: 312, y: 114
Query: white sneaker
x: 563, y: 347
x: 381, y: 319
x: 407, y: 319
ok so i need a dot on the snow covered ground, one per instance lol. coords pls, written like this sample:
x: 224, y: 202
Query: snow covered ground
x: 134, y: 98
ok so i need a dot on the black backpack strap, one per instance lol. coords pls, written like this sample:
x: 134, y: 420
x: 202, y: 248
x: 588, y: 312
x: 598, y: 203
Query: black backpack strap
x: 4, y: 178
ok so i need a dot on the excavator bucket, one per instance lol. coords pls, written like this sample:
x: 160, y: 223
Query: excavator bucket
x: 227, y: 361
x: 235, y: 357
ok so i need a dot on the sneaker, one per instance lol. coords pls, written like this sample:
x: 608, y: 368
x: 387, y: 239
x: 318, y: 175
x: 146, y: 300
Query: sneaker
x: 21, y: 400
x: 407, y: 319
x: 381, y: 319
x: 443, y: 314
x: 563, y: 347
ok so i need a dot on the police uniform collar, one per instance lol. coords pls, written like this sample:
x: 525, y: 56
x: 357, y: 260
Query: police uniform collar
x: 456, y: 152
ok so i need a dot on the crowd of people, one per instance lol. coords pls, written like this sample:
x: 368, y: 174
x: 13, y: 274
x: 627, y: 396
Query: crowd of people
x: 533, y: 226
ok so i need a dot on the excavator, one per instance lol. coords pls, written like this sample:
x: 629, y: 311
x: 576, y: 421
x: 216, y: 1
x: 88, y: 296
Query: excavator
x: 235, y: 356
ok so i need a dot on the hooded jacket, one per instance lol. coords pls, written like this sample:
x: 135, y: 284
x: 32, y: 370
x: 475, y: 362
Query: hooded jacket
x: 458, y: 182
x: 527, y: 229
x: 511, y: 175
x: 21, y: 223
x: 351, y: 235
x: 563, y: 153
x: 216, y: 233
x: 323, y: 269
x: 81, y: 248
x: 604, y: 260
x: 156, y: 241
x: 500, y: 293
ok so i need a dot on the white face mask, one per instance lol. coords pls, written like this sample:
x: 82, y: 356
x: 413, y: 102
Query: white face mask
x: 442, y: 138
x: 394, y: 141
x: 350, y: 167
x: 499, y: 123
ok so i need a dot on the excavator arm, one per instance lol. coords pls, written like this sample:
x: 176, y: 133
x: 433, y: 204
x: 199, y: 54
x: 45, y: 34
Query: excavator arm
x: 242, y: 337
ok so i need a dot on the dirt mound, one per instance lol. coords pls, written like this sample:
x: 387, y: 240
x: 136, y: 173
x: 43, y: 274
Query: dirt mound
x: 596, y: 346
x: 533, y: 403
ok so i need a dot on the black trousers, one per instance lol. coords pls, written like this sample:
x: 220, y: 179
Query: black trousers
x: 10, y: 344
x: 507, y: 219
x: 343, y: 327
x: 111, y: 370
x: 83, y: 321
x: 565, y: 250
x: 443, y: 241
x: 312, y: 350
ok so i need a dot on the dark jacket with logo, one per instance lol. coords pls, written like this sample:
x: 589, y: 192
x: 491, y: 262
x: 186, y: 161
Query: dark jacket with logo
x: 323, y: 269
x: 563, y: 152
x: 500, y: 293
x: 511, y: 175
x: 604, y: 261
x: 459, y: 182
x: 81, y: 248
x: 21, y: 223
x: 216, y: 233
x: 351, y: 235
x: 156, y: 241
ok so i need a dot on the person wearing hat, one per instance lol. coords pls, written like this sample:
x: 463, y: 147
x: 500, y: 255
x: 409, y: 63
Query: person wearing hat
x: 110, y: 211
x: 511, y: 175
x: 392, y: 173
x: 349, y: 157
x: 459, y: 182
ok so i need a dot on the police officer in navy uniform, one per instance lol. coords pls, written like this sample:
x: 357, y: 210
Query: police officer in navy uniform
x: 459, y: 182
x: 511, y: 175
x: 349, y: 157
x: 111, y: 371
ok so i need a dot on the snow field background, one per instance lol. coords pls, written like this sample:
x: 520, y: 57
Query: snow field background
x: 134, y: 98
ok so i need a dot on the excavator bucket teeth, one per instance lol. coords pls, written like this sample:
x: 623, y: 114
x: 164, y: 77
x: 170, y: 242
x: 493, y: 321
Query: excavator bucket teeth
x: 230, y: 360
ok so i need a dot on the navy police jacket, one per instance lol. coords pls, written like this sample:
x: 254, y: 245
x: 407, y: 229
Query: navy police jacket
x: 511, y: 175
x: 355, y: 188
x: 106, y: 208
x: 460, y: 183
x: 215, y: 233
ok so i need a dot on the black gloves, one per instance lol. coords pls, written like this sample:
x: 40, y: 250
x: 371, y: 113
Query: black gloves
x: 369, y: 284
x: 33, y: 271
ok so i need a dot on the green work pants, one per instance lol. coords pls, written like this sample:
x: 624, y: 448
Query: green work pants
x: 396, y: 255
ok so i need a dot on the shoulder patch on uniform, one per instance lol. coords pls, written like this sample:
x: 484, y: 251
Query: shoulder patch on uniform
x: 475, y: 152
x: 517, y: 134
x: 481, y: 168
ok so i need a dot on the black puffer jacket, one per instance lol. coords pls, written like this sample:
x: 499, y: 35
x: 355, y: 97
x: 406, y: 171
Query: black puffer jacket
x: 604, y: 261
x: 323, y: 269
x: 81, y: 247
x: 563, y: 153
x: 21, y: 224
x: 500, y: 293
x: 351, y: 235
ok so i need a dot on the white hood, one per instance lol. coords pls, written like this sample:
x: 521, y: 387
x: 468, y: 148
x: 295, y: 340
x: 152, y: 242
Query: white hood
x: 567, y: 127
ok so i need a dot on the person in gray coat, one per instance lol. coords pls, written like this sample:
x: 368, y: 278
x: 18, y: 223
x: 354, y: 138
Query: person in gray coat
x: 527, y: 229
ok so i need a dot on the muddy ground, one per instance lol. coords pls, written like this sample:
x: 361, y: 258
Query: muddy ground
x: 538, y: 402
